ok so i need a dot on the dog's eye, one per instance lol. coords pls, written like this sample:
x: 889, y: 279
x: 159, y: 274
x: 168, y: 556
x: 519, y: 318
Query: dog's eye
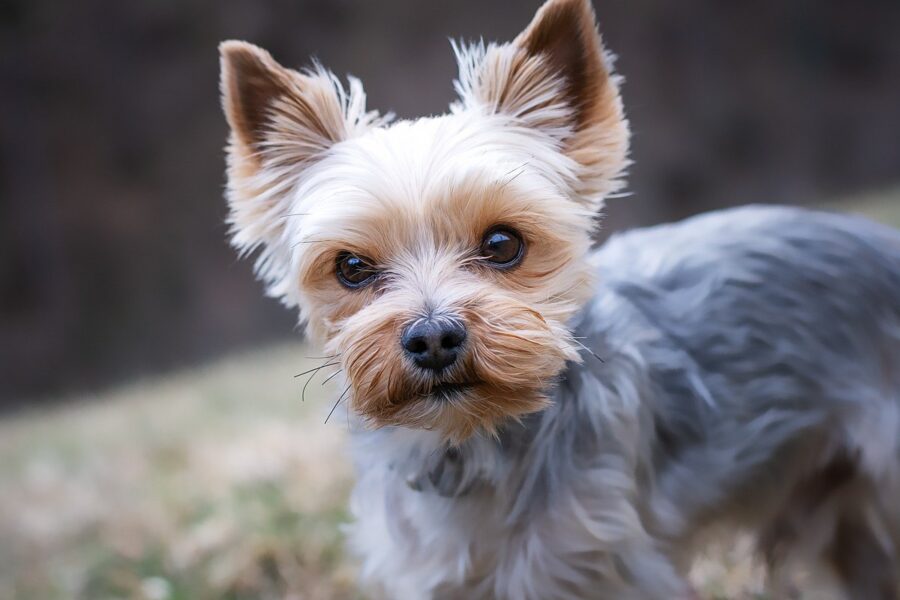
x: 353, y: 271
x: 502, y: 247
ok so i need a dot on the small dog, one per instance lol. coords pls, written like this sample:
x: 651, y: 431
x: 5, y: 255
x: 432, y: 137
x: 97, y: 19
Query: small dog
x: 537, y: 418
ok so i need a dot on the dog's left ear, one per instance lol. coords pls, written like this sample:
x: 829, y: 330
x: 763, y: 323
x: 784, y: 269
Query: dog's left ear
x: 556, y: 78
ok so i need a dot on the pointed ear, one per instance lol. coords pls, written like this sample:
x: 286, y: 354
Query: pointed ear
x: 555, y: 77
x: 564, y: 34
x: 265, y: 102
x: 251, y: 81
x: 282, y: 121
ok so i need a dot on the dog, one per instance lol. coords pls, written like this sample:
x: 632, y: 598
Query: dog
x: 536, y: 417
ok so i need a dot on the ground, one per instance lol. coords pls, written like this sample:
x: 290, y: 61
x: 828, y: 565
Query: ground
x: 217, y: 483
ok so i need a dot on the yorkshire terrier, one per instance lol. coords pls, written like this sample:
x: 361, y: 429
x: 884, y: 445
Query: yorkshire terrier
x: 539, y: 418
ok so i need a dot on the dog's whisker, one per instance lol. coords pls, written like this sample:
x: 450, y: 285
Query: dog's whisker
x: 511, y: 179
x: 313, y: 242
x: 347, y: 415
x: 336, y: 402
x: 316, y: 369
x: 289, y: 215
x: 309, y: 380
x: 588, y: 350
x: 330, y: 377
x: 513, y: 174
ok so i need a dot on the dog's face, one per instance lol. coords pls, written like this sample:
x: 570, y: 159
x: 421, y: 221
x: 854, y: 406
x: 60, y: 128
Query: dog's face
x: 437, y: 260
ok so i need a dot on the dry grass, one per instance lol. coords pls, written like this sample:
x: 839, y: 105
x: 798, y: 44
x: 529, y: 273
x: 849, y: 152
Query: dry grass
x: 217, y: 483
x: 213, y: 484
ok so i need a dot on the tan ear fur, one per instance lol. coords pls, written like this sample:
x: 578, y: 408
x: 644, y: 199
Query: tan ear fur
x: 250, y: 81
x: 263, y: 100
x: 556, y: 78
x: 564, y: 33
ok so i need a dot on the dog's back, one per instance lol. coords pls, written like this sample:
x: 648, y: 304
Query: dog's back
x: 772, y: 336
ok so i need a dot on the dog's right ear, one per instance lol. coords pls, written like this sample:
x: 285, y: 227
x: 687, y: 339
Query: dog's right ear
x: 282, y: 122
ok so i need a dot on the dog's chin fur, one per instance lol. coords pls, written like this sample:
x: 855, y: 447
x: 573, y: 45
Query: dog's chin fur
x: 736, y: 347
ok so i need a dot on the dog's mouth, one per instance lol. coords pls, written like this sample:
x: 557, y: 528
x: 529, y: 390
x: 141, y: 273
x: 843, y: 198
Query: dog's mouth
x: 449, y: 390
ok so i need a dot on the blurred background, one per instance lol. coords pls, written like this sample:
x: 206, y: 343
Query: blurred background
x: 114, y: 265
x: 113, y: 261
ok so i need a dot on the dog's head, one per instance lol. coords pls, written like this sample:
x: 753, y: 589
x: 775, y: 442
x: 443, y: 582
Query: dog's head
x: 438, y: 260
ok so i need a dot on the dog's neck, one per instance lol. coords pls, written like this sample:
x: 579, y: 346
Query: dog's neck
x: 524, y: 454
x: 531, y: 457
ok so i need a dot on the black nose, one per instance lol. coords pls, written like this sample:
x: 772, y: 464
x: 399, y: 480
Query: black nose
x: 433, y: 343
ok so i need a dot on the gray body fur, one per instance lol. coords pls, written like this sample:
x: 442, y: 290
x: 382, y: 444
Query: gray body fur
x: 750, y: 377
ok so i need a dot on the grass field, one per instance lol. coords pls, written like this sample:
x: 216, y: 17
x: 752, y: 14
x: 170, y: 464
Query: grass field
x: 213, y: 483
x: 218, y: 483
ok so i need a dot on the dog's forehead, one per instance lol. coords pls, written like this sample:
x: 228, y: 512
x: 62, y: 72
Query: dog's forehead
x: 436, y: 150
x: 413, y: 168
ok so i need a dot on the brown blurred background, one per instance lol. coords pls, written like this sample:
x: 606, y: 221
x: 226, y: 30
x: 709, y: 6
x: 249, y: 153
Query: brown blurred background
x: 113, y: 259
